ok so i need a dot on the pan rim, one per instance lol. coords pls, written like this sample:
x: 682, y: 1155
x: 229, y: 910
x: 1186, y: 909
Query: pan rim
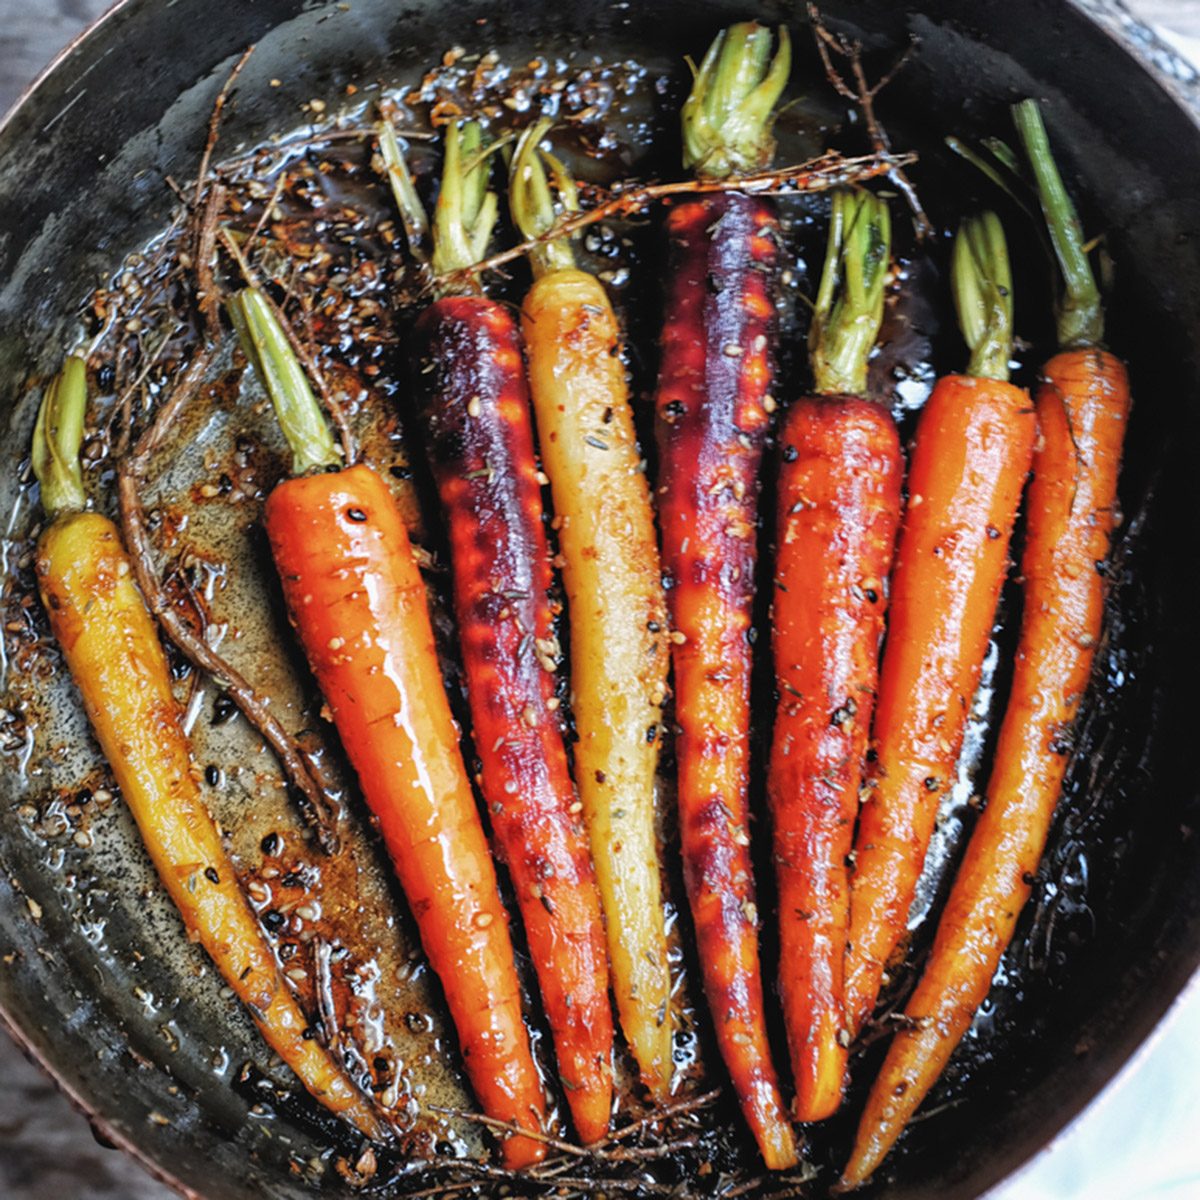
x: 1179, y: 81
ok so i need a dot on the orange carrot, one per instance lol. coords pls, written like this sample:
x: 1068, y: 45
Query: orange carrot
x: 1082, y: 408
x: 110, y: 646
x: 471, y: 397
x: 713, y: 408
x: 838, y: 510
x: 358, y: 604
x: 972, y: 454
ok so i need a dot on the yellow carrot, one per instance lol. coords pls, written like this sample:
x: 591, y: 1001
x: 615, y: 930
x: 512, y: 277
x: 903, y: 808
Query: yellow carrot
x: 113, y: 653
x: 611, y: 570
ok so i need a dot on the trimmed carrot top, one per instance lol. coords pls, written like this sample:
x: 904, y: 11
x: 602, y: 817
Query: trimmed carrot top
x: 848, y: 310
x: 300, y: 417
x: 57, y: 438
x: 982, y: 283
x: 536, y: 209
x: 728, y: 116
x: 466, y: 209
x: 1078, y: 310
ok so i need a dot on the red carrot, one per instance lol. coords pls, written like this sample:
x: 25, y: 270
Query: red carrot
x: 473, y: 400
x: 838, y: 511
x: 1082, y: 407
x: 713, y: 408
x: 972, y: 454
x: 358, y: 604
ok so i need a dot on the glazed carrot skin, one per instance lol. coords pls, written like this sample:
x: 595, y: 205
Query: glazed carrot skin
x: 972, y: 454
x: 1083, y: 404
x: 835, y: 533
x: 839, y: 508
x: 613, y: 579
x: 1082, y: 407
x: 713, y: 411
x: 359, y: 606
x: 712, y: 416
x: 473, y: 399
x: 619, y: 654
x: 112, y: 652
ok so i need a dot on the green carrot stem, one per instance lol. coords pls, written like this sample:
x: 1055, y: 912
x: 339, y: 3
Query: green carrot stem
x: 58, y: 437
x: 300, y: 417
x: 728, y: 116
x: 532, y: 203
x: 466, y: 210
x: 848, y: 310
x: 408, y: 203
x: 1079, y: 312
x: 982, y: 284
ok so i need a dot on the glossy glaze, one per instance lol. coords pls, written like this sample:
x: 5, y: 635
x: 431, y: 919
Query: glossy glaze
x: 619, y: 648
x: 712, y: 416
x: 112, y: 652
x: 470, y: 389
x: 358, y: 603
x: 969, y: 463
x: 1082, y: 410
x: 838, y: 512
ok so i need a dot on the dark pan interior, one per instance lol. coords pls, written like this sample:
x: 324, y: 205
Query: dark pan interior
x: 81, y: 170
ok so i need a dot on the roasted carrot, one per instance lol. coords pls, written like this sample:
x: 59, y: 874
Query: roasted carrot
x: 111, y: 649
x: 1082, y: 407
x: 713, y: 411
x: 972, y: 453
x: 359, y: 606
x: 617, y: 609
x: 472, y: 399
x: 838, y: 511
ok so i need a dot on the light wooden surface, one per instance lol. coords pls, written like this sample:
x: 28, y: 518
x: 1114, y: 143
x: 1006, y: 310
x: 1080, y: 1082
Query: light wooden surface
x: 1183, y: 16
x: 46, y: 1149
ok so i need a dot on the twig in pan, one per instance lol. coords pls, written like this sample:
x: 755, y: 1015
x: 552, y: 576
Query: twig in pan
x: 817, y: 175
x: 333, y: 406
x: 863, y: 94
x: 130, y: 486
